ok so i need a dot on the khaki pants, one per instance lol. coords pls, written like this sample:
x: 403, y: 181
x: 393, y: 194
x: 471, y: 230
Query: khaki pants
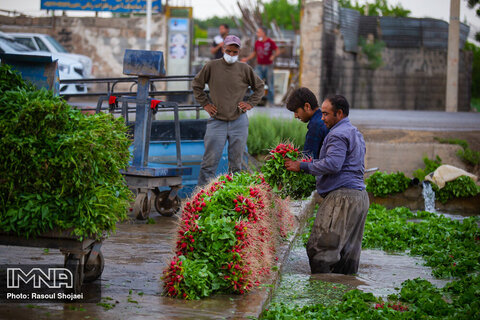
x: 336, y: 239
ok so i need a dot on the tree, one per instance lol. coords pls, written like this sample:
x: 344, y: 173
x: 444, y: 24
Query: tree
x: 472, y: 4
x: 376, y: 8
x: 285, y: 13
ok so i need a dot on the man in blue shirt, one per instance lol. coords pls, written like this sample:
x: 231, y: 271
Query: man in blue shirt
x: 336, y: 239
x: 303, y: 103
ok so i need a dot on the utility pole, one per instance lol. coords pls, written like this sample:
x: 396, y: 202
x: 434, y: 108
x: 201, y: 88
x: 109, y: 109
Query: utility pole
x: 149, y: 25
x: 451, y: 100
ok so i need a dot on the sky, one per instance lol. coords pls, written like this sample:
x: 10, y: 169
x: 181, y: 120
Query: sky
x: 202, y: 9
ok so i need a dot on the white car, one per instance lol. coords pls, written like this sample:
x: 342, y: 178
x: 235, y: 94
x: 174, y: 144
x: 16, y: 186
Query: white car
x: 67, y: 68
x: 44, y: 42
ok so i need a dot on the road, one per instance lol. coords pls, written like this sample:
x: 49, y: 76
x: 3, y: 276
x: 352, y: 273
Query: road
x: 384, y: 119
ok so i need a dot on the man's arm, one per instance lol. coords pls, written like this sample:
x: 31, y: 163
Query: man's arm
x: 257, y: 86
x: 249, y: 57
x: 215, y: 48
x: 333, y: 160
x: 198, y: 85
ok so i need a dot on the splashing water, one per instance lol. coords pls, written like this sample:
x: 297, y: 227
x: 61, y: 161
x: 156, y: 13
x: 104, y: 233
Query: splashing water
x: 428, y: 196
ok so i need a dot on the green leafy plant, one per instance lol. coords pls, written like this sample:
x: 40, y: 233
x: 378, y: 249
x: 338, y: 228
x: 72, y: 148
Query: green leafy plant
x: 430, y: 166
x: 373, y: 52
x: 450, y: 247
x: 462, y: 187
x: 297, y: 185
x: 227, y: 238
x: 382, y: 184
x: 60, y: 169
x: 467, y: 155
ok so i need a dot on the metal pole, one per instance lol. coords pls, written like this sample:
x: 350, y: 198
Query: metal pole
x: 149, y: 25
x: 140, y: 143
x: 451, y: 99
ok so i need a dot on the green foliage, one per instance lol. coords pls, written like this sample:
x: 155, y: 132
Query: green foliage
x: 430, y: 166
x: 265, y: 132
x: 373, y: 52
x: 284, y: 12
x: 451, y: 248
x: 382, y: 184
x: 297, y: 185
x: 467, y: 155
x: 472, y: 4
x: 475, y: 104
x: 59, y: 168
x: 376, y: 8
x: 462, y: 187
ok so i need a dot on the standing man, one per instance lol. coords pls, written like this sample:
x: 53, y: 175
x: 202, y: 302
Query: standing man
x: 336, y: 239
x: 228, y: 81
x: 266, y: 51
x: 303, y: 103
x: 217, y: 44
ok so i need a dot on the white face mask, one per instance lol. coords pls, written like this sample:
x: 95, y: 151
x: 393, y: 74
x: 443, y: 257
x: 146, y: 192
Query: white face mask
x: 260, y: 38
x: 229, y: 59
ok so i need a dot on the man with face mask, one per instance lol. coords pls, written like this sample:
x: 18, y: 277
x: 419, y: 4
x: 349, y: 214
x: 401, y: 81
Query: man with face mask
x: 228, y: 81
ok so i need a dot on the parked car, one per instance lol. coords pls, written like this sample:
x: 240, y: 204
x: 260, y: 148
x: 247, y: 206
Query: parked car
x: 44, y: 42
x: 68, y: 68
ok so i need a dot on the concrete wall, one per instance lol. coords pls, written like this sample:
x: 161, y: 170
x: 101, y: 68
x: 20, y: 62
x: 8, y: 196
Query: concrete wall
x: 104, y: 40
x: 311, y: 29
x: 408, y: 157
x: 410, y: 78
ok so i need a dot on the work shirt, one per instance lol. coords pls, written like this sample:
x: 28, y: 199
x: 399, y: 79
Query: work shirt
x: 342, y: 159
x: 264, y: 50
x: 228, y: 84
x: 317, y: 130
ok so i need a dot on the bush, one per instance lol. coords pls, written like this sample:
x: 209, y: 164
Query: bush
x: 430, y: 166
x: 462, y: 187
x: 382, y: 184
x: 467, y: 155
x: 59, y: 168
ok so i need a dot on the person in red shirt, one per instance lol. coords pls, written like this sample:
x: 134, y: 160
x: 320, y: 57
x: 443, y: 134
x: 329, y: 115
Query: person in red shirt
x: 266, y: 51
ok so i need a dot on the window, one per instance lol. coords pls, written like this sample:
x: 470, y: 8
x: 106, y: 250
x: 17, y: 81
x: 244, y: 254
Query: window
x: 41, y: 45
x: 27, y: 42
x: 56, y: 45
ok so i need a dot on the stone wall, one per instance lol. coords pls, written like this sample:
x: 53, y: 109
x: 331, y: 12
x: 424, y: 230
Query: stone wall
x: 311, y: 29
x: 410, y: 78
x: 104, y: 40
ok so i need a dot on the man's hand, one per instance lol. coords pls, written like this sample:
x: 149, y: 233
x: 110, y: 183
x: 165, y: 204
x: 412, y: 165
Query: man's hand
x: 292, y: 165
x: 211, y: 109
x: 244, y: 106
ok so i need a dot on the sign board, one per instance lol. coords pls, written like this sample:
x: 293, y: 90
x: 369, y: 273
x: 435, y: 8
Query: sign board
x: 101, y: 5
x: 179, y: 46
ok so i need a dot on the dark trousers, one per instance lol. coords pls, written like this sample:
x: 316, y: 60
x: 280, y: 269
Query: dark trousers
x: 336, y: 239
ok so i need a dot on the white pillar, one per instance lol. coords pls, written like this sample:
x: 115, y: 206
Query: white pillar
x: 451, y: 100
x: 149, y: 25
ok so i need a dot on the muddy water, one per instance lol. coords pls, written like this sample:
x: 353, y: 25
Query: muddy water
x: 379, y: 273
x: 131, y: 286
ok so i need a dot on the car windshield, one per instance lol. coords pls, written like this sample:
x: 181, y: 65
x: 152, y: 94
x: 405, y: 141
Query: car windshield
x: 15, y: 46
x: 57, y: 45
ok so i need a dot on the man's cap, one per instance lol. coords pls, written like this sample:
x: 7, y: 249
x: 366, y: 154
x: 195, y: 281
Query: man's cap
x: 232, y: 40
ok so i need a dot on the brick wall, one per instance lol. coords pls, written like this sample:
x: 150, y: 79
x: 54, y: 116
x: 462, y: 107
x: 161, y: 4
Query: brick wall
x: 410, y: 78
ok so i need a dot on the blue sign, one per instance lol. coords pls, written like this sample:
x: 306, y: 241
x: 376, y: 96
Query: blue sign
x: 102, y: 5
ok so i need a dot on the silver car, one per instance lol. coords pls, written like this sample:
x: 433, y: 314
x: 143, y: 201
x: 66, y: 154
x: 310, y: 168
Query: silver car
x: 68, y: 68
x: 44, y: 42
